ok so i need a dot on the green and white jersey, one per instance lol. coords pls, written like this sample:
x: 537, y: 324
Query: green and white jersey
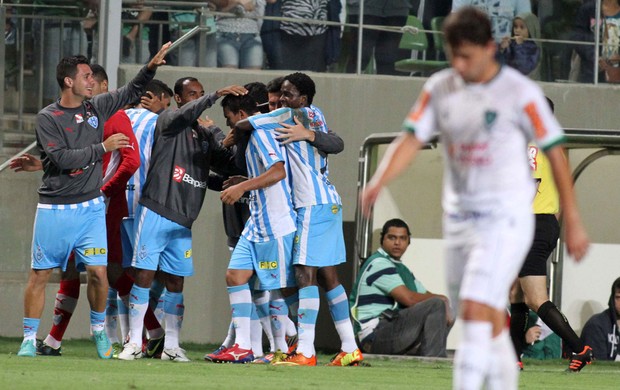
x: 370, y: 295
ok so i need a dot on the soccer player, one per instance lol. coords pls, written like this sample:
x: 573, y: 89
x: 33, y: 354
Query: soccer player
x: 319, y: 243
x: 265, y: 246
x: 69, y: 137
x: 171, y: 200
x: 530, y: 290
x: 485, y: 115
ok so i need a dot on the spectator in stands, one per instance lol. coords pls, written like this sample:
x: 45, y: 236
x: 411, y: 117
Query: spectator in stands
x: 270, y: 35
x: 238, y: 38
x: 501, y: 13
x: 303, y: 44
x: 188, y: 53
x: 518, y: 51
x: 383, y: 44
x: 601, y: 331
x: 540, y: 341
x: 393, y: 312
x: 135, y: 44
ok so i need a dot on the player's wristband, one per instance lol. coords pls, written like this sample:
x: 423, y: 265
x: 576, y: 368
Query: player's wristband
x: 104, y: 149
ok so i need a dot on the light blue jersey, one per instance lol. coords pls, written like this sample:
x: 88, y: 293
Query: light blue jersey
x: 143, y: 124
x: 271, y: 208
x: 309, y: 174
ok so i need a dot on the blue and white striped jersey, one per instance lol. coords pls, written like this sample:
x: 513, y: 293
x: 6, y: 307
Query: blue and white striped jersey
x: 271, y: 208
x: 143, y: 124
x: 309, y: 173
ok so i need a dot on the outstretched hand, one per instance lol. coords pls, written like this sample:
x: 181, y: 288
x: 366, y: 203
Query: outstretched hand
x: 291, y: 133
x: 158, y: 59
x: 232, y: 90
x: 26, y: 163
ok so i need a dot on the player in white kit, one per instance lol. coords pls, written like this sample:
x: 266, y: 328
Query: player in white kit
x: 485, y: 114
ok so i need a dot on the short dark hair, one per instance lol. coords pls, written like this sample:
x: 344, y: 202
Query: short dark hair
x: 467, y: 24
x: 303, y: 83
x: 274, y: 85
x: 241, y: 102
x: 67, y: 67
x: 258, y: 91
x: 99, y: 73
x: 157, y: 87
x: 178, y: 86
x: 394, y: 222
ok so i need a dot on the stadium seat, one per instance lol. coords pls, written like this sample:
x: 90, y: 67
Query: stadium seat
x: 418, y: 42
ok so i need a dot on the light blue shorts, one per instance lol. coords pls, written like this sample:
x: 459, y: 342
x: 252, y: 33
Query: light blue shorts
x: 127, y: 237
x: 271, y: 261
x: 60, y: 229
x: 319, y: 241
x: 161, y: 244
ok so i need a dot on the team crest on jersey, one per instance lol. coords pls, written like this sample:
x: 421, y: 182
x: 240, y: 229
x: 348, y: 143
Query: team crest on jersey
x: 79, y: 118
x: 93, y: 121
x: 489, y: 119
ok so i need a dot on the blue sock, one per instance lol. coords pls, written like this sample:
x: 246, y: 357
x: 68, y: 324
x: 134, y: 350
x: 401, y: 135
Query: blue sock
x: 339, y: 309
x: 174, y: 310
x: 307, y: 315
x: 97, y: 321
x: 31, y: 326
x: 241, y: 306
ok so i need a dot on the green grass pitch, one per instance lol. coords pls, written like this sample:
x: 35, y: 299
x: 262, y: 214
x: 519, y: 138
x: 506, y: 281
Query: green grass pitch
x: 79, y: 368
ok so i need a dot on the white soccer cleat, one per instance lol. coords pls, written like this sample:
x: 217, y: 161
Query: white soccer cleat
x: 130, y: 352
x: 174, y: 354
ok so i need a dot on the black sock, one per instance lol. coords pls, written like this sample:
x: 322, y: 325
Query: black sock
x: 556, y: 321
x: 518, y: 323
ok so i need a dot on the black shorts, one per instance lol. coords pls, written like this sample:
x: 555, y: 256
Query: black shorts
x: 545, y: 240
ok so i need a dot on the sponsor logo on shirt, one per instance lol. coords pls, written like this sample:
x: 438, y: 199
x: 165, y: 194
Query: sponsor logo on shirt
x: 188, y: 254
x: 94, y: 251
x: 267, y: 265
x: 79, y: 118
x: 179, y: 176
x: 335, y: 209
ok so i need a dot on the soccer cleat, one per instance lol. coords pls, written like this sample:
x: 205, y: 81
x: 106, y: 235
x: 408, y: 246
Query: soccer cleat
x: 116, y: 349
x: 520, y: 365
x: 347, y: 359
x: 104, y: 347
x: 27, y: 349
x: 130, y: 352
x: 267, y: 359
x: 297, y: 359
x: 45, y: 350
x: 235, y: 354
x: 291, y: 341
x: 580, y: 360
x: 154, y: 348
x: 279, y: 356
x: 210, y: 356
x: 174, y: 354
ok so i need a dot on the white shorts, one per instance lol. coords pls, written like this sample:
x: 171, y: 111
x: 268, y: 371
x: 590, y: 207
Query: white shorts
x: 484, y: 253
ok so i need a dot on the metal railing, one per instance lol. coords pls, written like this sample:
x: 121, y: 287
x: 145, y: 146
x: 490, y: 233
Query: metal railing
x: 607, y: 141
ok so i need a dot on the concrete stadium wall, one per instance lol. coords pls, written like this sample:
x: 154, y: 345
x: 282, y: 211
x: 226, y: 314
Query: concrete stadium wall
x: 355, y: 107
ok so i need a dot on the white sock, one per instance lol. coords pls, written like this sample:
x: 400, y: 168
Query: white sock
x: 504, y: 373
x: 278, y: 313
x: 123, y: 316
x: 473, y: 357
x: 173, y: 317
x: 261, y: 303
x: 230, y: 336
x: 111, y: 316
